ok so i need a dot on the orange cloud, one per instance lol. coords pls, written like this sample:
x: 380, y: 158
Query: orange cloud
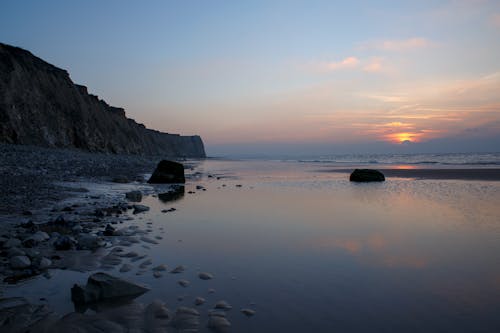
x: 349, y: 62
x: 398, y: 45
x: 374, y: 65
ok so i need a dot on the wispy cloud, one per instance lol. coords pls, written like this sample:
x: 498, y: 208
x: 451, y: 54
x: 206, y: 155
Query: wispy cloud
x: 495, y: 20
x: 329, y: 66
x: 398, y: 45
x: 374, y: 65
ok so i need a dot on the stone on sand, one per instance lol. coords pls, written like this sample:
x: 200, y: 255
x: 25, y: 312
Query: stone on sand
x: 183, y: 283
x: 135, y: 196
x: 205, y: 276
x: 102, y: 286
x: 140, y: 209
x: 178, y: 269
x: 223, y: 305
x: 248, y: 312
x: 218, y: 322
x: 20, y: 262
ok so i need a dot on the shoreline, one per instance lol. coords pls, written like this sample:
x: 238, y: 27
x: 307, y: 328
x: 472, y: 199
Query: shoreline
x: 476, y: 174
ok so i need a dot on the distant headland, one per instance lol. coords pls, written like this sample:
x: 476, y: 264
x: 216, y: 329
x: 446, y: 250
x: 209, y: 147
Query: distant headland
x: 40, y: 105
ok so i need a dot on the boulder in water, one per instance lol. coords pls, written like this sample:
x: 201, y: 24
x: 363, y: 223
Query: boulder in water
x: 366, y: 175
x: 168, y: 172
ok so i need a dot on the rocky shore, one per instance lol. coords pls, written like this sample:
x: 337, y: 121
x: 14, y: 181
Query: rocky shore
x: 48, y: 223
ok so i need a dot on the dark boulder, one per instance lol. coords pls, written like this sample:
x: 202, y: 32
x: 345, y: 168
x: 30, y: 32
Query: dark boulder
x: 168, y: 172
x: 366, y: 175
x: 102, y: 287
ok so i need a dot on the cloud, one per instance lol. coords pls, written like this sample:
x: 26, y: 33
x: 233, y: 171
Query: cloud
x: 495, y: 20
x: 374, y: 65
x: 398, y: 45
x: 349, y: 62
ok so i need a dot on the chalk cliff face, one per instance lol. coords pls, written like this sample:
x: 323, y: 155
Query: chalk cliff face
x: 40, y: 105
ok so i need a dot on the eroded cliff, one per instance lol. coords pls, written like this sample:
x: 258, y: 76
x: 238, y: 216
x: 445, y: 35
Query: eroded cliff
x: 40, y: 105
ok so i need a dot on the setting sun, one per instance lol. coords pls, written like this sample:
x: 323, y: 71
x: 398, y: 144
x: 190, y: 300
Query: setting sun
x: 403, y: 137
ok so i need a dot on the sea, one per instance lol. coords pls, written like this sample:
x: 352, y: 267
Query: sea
x: 310, y: 251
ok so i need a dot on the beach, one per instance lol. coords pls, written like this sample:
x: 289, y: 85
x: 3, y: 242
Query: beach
x: 303, y: 249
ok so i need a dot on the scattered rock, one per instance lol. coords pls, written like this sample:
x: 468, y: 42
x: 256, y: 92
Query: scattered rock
x: 223, y: 305
x: 168, y: 172
x: 205, y: 276
x: 178, y: 269
x: 39, y: 236
x: 63, y: 243
x: 126, y: 268
x: 135, y: 196
x: 145, y: 263
x: 44, y: 263
x: 20, y: 262
x: 148, y: 240
x: 199, y: 301
x: 160, y: 268
x: 366, y: 175
x: 157, y: 274
x: 140, y: 209
x: 89, y: 242
x: 109, y: 230
x: 248, y: 312
x: 186, y: 319
x: 102, y: 286
x: 218, y: 322
x: 12, y: 242
x: 183, y: 283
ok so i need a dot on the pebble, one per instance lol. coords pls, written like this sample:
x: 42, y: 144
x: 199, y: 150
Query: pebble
x: 148, y: 240
x: 160, y: 268
x: 178, y: 269
x: 130, y: 254
x: 218, y: 322
x: 145, y: 263
x: 140, y: 209
x: 211, y: 291
x: 13, y: 242
x: 45, y: 263
x: 199, y: 301
x: 205, y: 276
x: 157, y: 274
x: 248, y: 312
x: 183, y: 283
x: 20, y: 262
x: 223, y: 305
x: 126, y: 268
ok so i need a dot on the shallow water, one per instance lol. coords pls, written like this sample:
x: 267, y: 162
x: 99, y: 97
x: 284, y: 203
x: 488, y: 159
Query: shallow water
x: 312, y: 252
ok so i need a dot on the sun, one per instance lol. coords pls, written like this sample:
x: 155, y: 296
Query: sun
x: 403, y: 137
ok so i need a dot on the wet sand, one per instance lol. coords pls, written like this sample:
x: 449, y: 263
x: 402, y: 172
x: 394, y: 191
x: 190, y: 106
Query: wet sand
x: 458, y: 174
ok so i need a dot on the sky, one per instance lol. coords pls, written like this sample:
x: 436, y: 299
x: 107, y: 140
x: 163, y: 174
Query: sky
x: 289, y: 76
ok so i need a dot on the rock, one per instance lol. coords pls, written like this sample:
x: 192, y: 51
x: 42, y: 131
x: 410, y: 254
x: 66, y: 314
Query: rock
x: 12, y: 242
x: 205, y: 276
x: 168, y: 172
x: 183, y: 283
x: 366, y: 175
x: 39, y: 236
x: 20, y: 262
x: 131, y: 254
x: 135, y: 196
x: 211, y: 291
x: 109, y: 230
x: 63, y: 243
x: 176, y: 192
x: 223, y: 305
x: 102, y: 286
x: 15, y: 251
x: 148, y: 240
x: 218, y: 322
x: 157, y: 274
x: 44, y: 263
x: 140, y: 209
x: 89, y: 242
x: 199, y: 301
x: 248, y: 312
x: 186, y: 320
x: 126, y: 268
x: 178, y: 269
x: 160, y: 268
x: 145, y: 263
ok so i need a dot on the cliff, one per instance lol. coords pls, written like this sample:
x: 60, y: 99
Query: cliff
x: 40, y: 105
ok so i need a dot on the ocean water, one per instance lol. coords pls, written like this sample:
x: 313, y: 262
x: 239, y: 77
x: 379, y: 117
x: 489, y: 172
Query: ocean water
x: 424, y: 160
x: 311, y: 252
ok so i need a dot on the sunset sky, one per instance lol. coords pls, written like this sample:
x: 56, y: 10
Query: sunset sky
x: 326, y: 76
